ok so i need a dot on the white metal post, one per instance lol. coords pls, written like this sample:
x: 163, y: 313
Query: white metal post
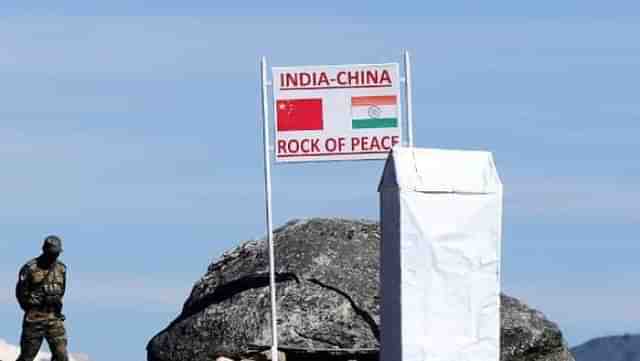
x: 407, y: 96
x: 267, y: 189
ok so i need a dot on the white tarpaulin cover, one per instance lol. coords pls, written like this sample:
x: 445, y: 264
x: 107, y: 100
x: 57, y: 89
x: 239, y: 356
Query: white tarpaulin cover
x: 441, y: 214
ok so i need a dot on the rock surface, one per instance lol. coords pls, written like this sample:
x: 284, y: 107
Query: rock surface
x: 327, y: 294
x: 527, y: 335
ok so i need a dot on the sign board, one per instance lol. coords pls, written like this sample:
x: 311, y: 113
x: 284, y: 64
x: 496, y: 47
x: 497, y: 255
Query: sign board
x: 341, y: 112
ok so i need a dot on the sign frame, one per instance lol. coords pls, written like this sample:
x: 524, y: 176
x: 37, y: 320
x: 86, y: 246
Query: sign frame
x: 264, y: 92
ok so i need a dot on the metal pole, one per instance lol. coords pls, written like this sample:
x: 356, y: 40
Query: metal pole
x: 407, y: 97
x: 267, y: 189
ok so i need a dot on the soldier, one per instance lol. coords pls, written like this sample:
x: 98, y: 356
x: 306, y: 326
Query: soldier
x: 39, y: 291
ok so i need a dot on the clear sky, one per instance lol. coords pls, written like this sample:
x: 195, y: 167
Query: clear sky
x: 132, y: 131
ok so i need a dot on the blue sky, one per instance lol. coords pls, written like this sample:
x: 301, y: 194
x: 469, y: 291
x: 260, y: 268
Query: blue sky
x: 133, y: 132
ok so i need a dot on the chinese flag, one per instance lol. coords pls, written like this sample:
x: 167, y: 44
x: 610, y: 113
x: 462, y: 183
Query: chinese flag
x: 299, y: 114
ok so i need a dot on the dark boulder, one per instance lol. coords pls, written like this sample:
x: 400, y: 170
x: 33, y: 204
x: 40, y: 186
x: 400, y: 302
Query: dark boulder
x: 328, y: 302
x: 527, y: 335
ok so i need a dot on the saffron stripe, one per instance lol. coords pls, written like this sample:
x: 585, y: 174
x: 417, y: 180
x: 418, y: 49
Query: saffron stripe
x: 374, y: 100
x: 374, y: 123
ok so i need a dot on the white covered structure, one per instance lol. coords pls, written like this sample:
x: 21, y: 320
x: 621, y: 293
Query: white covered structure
x: 441, y: 215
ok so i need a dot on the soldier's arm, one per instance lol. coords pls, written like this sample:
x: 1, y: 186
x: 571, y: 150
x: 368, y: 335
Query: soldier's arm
x: 25, y: 299
x: 64, y: 280
x: 55, y: 299
x: 64, y: 287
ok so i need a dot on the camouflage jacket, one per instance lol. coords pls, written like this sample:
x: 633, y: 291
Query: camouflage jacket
x: 41, y: 289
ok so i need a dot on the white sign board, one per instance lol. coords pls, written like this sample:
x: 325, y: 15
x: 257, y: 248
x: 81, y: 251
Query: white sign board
x: 341, y: 112
x: 441, y: 218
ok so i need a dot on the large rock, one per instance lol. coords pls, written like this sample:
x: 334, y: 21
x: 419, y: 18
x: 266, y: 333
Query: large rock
x: 527, y: 335
x: 327, y: 294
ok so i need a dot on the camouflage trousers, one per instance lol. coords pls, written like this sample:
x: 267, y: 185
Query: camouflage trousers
x: 35, y: 330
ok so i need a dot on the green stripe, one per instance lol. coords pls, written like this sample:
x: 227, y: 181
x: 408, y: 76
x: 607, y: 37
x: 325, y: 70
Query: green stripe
x: 374, y: 123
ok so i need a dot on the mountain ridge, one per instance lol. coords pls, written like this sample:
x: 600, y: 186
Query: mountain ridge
x: 624, y: 347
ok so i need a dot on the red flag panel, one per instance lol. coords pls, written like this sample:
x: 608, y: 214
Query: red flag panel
x: 299, y: 114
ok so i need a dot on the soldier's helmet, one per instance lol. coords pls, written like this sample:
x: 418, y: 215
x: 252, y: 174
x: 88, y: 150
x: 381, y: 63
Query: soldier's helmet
x: 52, y: 244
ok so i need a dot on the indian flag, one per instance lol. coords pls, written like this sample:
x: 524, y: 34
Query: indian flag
x: 374, y: 112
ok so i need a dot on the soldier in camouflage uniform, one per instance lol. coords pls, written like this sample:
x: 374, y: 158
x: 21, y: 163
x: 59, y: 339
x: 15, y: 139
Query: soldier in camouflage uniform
x: 40, y: 290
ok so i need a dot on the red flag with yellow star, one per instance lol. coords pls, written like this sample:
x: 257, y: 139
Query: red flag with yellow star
x: 299, y: 114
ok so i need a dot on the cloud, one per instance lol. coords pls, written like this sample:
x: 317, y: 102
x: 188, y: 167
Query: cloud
x: 118, y: 291
x: 109, y: 176
x: 6, y: 298
x: 100, y: 68
x: 9, y: 352
x: 574, y: 197
x: 565, y: 304
x: 172, y: 45
x: 598, y: 302
x: 127, y: 291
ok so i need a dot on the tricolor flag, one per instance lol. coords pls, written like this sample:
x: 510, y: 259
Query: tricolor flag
x: 374, y: 112
x: 299, y: 114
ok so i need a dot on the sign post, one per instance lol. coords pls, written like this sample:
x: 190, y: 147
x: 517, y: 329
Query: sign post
x: 407, y: 97
x: 269, y: 220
